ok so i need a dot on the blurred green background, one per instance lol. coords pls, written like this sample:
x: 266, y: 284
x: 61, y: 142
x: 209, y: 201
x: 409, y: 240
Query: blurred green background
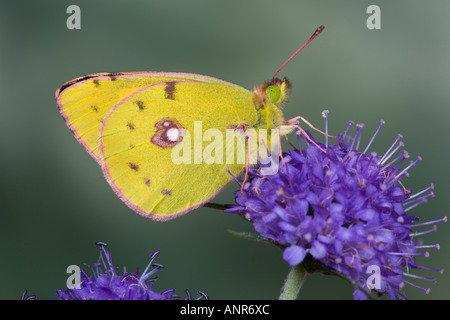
x: 55, y: 203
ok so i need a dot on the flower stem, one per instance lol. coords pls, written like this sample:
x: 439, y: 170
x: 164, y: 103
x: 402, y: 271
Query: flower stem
x: 293, y: 283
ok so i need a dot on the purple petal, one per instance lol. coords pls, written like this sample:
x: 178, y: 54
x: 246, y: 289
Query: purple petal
x: 294, y: 255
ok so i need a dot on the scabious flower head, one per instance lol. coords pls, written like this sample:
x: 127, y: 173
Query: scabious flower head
x: 344, y: 208
x: 106, y: 284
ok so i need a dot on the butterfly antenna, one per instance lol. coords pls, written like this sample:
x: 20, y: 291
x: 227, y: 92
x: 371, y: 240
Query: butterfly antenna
x: 315, y: 34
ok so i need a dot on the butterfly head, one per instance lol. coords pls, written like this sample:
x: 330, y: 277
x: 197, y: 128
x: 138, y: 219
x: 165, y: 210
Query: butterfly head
x: 274, y: 92
x: 277, y: 91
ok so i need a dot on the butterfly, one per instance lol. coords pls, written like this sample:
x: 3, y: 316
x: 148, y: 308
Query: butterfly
x: 147, y: 131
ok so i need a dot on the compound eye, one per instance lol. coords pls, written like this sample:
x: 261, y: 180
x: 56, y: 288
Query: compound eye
x: 274, y: 93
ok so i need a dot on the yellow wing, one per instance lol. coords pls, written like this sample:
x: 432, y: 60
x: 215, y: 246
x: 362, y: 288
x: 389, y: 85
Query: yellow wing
x: 84, y: 102
x: 143, y: 138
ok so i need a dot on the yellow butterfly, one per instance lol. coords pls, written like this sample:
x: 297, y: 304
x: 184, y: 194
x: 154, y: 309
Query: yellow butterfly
x: 143, y: 128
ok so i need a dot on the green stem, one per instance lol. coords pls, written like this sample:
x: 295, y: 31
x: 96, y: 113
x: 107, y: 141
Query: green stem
x: 293, y: 283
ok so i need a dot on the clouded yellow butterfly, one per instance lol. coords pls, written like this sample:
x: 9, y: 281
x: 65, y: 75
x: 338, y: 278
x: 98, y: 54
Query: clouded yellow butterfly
x: 143, y: 127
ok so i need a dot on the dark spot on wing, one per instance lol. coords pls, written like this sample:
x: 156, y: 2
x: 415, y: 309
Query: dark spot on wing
x: 170, y: 90
x: 133, y: 166
x: 94, y: 108
x: 130, y: 125
x: 169, y: 133
x: 147, y: 182
x: 113, y: 75
x: 140, y: 104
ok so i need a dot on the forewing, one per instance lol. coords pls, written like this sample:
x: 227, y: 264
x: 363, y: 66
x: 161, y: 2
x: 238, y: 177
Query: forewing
x: 84, y: 102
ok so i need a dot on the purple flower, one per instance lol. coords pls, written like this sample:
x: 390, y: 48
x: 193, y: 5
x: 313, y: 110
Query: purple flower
x: 106, y: 284
x: 344, y: 208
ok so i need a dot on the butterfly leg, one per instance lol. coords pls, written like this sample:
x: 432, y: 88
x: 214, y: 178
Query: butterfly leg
x: 293, y: 120
x: 307, y: 137
x: 247, y: 165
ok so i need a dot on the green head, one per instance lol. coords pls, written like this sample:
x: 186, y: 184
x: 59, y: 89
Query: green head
x: 277, y: 91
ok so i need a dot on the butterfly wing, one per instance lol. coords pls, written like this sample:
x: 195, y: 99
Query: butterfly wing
x: 140, y: 133
x: 84, y: 102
